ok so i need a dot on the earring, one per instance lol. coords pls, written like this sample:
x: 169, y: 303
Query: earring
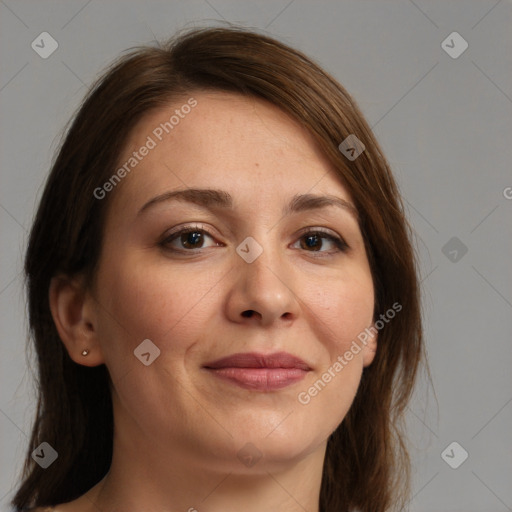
x: 85, y: 351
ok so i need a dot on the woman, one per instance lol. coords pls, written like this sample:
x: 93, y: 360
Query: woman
x: 222, y: 290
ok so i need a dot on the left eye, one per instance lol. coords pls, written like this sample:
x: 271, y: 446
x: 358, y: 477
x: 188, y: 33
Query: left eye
x: 314, y: 241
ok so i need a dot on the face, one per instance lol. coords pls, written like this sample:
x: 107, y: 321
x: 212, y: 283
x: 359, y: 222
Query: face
x: 262, y: 267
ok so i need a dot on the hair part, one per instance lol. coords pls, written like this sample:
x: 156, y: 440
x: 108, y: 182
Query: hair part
x: 366, y: 465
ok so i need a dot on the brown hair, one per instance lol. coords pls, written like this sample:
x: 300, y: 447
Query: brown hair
x: 366, y: 465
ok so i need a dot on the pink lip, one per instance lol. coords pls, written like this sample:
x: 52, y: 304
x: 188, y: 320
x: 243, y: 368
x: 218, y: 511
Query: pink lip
x: 258, y: 371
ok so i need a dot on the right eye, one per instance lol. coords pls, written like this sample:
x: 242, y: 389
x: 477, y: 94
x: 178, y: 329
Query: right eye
x: 187, y: 238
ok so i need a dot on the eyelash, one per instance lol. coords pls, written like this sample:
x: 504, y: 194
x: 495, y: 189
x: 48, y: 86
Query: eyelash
x: 341, y: 245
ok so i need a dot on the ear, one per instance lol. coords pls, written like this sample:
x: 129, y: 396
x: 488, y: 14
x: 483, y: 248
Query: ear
x: 75, y: 315
x: 370, y: 346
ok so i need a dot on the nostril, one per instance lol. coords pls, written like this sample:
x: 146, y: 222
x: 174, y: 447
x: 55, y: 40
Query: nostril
x: 248, y: 313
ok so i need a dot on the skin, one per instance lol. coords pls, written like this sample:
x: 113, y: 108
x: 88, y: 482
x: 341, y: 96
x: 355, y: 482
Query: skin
x: 178, y: 428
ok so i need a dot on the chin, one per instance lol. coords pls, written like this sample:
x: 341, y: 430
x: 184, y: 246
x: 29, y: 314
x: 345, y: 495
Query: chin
x: 263, y: 453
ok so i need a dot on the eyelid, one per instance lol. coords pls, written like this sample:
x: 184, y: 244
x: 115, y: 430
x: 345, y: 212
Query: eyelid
x: 314, y: 229
x: 186, y: 227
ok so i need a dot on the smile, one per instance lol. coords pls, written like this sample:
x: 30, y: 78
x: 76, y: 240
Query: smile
x: 260, y: 372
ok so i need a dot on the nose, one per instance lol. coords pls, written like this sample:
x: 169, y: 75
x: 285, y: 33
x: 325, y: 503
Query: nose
x: 261, y: 292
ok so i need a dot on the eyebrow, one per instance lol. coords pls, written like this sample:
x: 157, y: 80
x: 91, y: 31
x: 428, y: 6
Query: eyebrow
x: 212, y: 198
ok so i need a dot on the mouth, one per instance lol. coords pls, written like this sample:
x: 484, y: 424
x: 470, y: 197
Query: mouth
x: 259, y: 372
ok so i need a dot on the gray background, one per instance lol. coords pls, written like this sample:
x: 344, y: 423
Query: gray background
x: 445, y: 125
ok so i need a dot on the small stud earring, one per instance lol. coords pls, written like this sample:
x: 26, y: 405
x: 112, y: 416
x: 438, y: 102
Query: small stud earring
x: 85, y: 351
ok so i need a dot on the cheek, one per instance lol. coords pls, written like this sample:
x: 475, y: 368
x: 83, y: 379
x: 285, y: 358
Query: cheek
x: 343, y: 307
x: 341, y: 311
x: 327, y: 400
x: 144, y: 300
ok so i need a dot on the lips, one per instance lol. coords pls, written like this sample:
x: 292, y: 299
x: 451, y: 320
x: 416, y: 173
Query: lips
x: 260, y: 372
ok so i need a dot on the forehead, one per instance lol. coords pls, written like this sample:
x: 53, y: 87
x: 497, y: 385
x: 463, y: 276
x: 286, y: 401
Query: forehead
x: 241, y: 144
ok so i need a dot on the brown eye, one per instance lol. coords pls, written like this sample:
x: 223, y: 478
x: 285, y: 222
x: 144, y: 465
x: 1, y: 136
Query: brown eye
x: 314, y: 241
x: 192, y: 239
x: 187, y: 239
